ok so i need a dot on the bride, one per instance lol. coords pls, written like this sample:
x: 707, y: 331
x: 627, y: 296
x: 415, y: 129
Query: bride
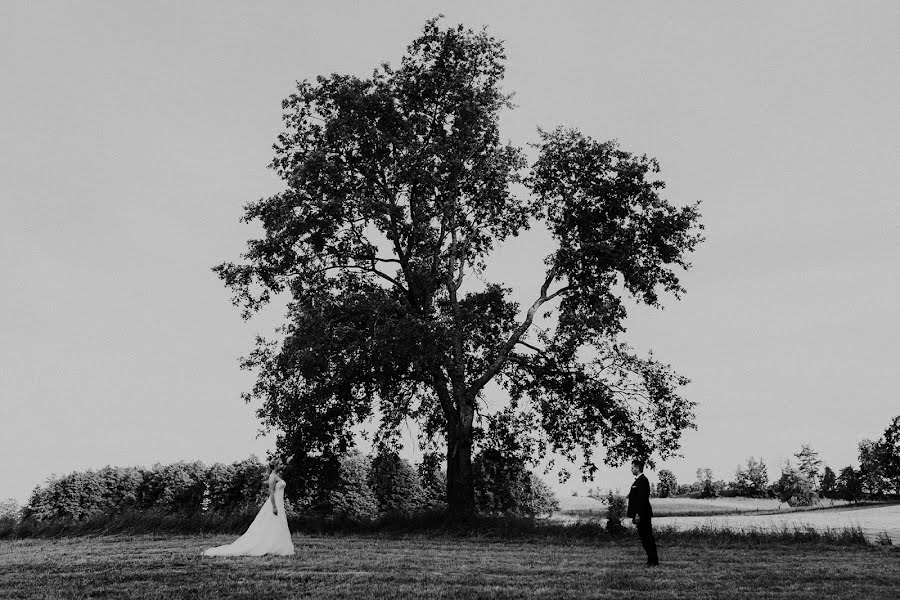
x: 269, y: 533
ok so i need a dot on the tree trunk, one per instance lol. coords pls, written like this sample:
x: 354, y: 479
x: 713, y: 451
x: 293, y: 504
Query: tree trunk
x: 460, y: 480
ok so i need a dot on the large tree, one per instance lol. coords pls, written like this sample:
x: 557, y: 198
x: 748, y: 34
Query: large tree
x: 397, y: 191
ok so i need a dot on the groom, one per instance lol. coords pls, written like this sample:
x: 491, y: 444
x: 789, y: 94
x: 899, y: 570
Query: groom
x: 640, y: 511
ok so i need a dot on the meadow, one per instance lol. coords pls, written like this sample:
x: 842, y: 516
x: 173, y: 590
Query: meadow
x: 432, y: 566
x: 695, y: 507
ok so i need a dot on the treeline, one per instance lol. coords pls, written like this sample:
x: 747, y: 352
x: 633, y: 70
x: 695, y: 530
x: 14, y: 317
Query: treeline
x: 806, y: 482
x: 363, y: 488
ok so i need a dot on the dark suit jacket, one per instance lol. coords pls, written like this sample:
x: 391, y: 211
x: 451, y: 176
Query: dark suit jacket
x: 639, y: 498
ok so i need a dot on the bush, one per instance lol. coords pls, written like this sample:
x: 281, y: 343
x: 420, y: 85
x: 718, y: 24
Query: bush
x: 350, y: 496
x: 395, y: 484
x: 504, y: 485
x: 237, y: 486
x: 10, y: 513
x: 177, y: 487
x: 616, y: 509
x: 433, y: 480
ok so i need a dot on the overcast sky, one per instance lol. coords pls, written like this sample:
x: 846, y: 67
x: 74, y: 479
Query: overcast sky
x: 132, y: 133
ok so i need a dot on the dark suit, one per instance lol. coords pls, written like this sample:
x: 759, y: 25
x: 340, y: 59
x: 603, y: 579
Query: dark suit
x: 639, y: 505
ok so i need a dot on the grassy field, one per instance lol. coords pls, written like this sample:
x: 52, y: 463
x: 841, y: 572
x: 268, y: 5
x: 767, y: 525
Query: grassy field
x: 374, y: 567
x: 692, y: 507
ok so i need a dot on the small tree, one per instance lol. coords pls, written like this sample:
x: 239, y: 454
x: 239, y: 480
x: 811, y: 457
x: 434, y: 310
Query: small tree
x: 828, y: 483
x: 849, y: 485
x: 705, y: 483
x: 752, y: 481
x: 872, y: 471
x: 795, y: 487
x: 890, y: 453
x: 668, y: 485
x: 809, y: 463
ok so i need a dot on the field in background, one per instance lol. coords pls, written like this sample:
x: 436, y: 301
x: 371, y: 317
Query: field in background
x: 878, y: 522
x: 344, y: 567
x: 668, y: 507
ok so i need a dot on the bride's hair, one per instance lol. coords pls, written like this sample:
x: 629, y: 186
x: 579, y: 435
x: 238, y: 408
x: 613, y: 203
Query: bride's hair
x: 276, y: 464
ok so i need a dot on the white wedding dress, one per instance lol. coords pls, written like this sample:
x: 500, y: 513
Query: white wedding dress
x: 268, y: 534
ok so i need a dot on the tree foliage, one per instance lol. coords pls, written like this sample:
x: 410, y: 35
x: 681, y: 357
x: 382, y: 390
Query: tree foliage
x: 753, y: 480
x: 668, y: 485
x: 395, y: 484
x: 808, y: 463
x: 705, y: 483
x: 879, y: 461
x: 849, y: 485
x: 828, y: 483
x: 795, y: 487
x: 397, y: 190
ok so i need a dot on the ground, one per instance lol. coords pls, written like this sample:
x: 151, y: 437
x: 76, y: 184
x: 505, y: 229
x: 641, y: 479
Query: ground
x: 371, y: 567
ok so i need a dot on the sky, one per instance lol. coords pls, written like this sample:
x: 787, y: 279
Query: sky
x: 132, y: 133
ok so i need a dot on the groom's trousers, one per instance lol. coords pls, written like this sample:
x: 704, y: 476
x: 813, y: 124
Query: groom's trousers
x: 645, y: 531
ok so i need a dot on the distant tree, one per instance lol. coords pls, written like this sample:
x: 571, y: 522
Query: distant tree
x: 795, y: 487
x: 808, y: 463
x: 398, y: 188
x: 872, y: 471
x: 395, y: 484
x: 10, y: 512
x: 849, y: 485
x: 752, y: 481
x: 596, y: 493
x: 668, y: 485
x: 890, y: 443
x: 686, y: 488
x: 828, y: 483
x: 706, y: 484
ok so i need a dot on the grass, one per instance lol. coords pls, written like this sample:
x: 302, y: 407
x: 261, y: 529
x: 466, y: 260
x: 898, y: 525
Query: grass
x: 447, y: 566
x: 694, y: 507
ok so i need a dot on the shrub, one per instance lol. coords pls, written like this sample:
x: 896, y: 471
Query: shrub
x: 395, y: 484
x: 433, y: 481
x: 504, y: 485
x: 350, y: 496
x: 543, y: 500
x: 616, y: 508
x: 177, y: 487
x: 10, y: 513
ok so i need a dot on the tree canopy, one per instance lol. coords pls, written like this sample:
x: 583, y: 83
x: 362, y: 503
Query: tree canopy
x: 398, y: 189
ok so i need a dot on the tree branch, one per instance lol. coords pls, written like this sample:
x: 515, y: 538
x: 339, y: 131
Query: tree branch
x: 516, y: 335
